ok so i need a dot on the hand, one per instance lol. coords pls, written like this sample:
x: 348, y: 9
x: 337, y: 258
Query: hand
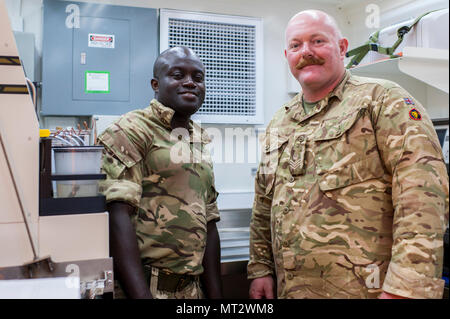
x: 386, y: 295
x: 262, y: 288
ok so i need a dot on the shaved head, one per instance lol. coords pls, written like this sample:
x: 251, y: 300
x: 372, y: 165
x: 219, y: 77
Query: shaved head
x: 179, y: 81
x: 162, y: 59
x: 316, y: 16
x: 315, y: 51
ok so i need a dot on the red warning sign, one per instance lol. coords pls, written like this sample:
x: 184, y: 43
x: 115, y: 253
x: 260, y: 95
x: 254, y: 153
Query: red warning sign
x: 101, y: 41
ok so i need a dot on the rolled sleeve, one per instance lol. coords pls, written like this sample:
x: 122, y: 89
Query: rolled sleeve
x: 408, y: 283
x: 212, y: 212
x: 123, y: 191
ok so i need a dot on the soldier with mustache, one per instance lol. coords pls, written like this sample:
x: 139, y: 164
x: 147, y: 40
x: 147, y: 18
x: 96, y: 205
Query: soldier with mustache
x: 351, y: 195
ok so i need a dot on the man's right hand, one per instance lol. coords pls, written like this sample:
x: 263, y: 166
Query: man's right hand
x: 262, y: 288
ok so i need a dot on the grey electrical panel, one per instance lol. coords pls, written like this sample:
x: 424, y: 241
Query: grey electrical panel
x: 97, y: 59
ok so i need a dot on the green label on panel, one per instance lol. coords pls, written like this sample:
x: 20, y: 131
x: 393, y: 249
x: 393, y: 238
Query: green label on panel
x: 96, y: 82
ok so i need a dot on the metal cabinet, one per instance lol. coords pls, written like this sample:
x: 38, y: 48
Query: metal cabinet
x: 97, y: 59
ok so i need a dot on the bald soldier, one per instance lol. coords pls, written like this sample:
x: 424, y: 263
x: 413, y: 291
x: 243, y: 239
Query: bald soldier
x: 351, y: 195
x: 162, y: 210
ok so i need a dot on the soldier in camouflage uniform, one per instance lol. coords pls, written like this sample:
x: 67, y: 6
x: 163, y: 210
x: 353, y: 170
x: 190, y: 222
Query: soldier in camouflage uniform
x: 160, y: 190
x: 351, y: 195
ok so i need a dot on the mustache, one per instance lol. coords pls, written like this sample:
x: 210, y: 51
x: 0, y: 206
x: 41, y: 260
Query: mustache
x: 309, y: 61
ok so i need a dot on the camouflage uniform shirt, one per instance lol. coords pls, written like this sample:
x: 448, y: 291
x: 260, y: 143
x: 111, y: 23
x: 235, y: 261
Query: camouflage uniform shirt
x: 351, y: 199
x: 174, y: 196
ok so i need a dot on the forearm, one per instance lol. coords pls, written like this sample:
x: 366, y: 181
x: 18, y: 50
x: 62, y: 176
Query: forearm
x: 261, y: 256
x: 211, y: 277
x: 125, y: 252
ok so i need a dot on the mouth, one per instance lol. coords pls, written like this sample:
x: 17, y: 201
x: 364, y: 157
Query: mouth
x: 307, y: 66
x: 188, y: 94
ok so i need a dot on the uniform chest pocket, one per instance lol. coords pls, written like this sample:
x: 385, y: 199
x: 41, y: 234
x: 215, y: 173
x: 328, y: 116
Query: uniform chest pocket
x: 273, y: 149
x: 297, y: 156
x: 346, y: 151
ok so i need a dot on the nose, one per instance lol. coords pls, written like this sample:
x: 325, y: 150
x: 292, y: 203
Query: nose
x: 189, y: 82
x: 305, y: 50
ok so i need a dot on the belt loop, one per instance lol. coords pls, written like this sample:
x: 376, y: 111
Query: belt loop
x: 154, y: 281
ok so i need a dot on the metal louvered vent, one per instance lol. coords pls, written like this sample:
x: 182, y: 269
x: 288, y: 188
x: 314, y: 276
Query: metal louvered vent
x: 231, y: 49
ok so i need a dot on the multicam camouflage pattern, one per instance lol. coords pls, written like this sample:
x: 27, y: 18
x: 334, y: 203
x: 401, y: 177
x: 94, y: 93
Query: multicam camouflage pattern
x: 174, y: 200
x: 352, y: 199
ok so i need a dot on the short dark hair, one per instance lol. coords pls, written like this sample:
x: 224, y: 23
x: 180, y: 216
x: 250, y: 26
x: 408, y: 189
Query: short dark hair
x: 161, y: 59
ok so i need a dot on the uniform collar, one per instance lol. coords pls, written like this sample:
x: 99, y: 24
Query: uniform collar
x: 298, y: 113
x: 165, y: 115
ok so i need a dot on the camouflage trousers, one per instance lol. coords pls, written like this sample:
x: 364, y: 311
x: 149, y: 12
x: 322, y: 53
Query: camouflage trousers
x: 191, y: 291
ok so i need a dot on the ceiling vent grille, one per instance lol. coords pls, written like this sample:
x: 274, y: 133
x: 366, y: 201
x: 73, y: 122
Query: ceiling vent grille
x: 230, y: 47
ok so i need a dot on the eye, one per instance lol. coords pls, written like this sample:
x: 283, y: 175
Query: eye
x: 177, y: 75
x: 294, y: 46
x: 199, y: 77
x: 318, y: 41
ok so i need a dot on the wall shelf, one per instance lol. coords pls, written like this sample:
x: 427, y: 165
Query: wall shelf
x: 423, y: 72
x: 429, y: 66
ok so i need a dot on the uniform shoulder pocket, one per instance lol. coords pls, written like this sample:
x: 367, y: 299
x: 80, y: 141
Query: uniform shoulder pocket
x: 118, y: 143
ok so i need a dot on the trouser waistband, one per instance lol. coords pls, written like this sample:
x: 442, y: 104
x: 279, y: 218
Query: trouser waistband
x: 168, y: 281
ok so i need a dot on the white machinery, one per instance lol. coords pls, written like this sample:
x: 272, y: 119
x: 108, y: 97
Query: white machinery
x: 38, y: 249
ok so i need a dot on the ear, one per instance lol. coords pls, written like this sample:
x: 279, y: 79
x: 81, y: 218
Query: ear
x: 285, y: 53
x: 343, y: 46
x: 155, y: 85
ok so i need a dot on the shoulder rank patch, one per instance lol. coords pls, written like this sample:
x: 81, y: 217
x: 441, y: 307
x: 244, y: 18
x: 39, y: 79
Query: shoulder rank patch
x: 408, y: 101
x: 415, y: 115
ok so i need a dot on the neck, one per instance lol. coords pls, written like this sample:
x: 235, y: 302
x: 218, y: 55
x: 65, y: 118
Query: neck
x: 180, y: 121
x: 313, y: 94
